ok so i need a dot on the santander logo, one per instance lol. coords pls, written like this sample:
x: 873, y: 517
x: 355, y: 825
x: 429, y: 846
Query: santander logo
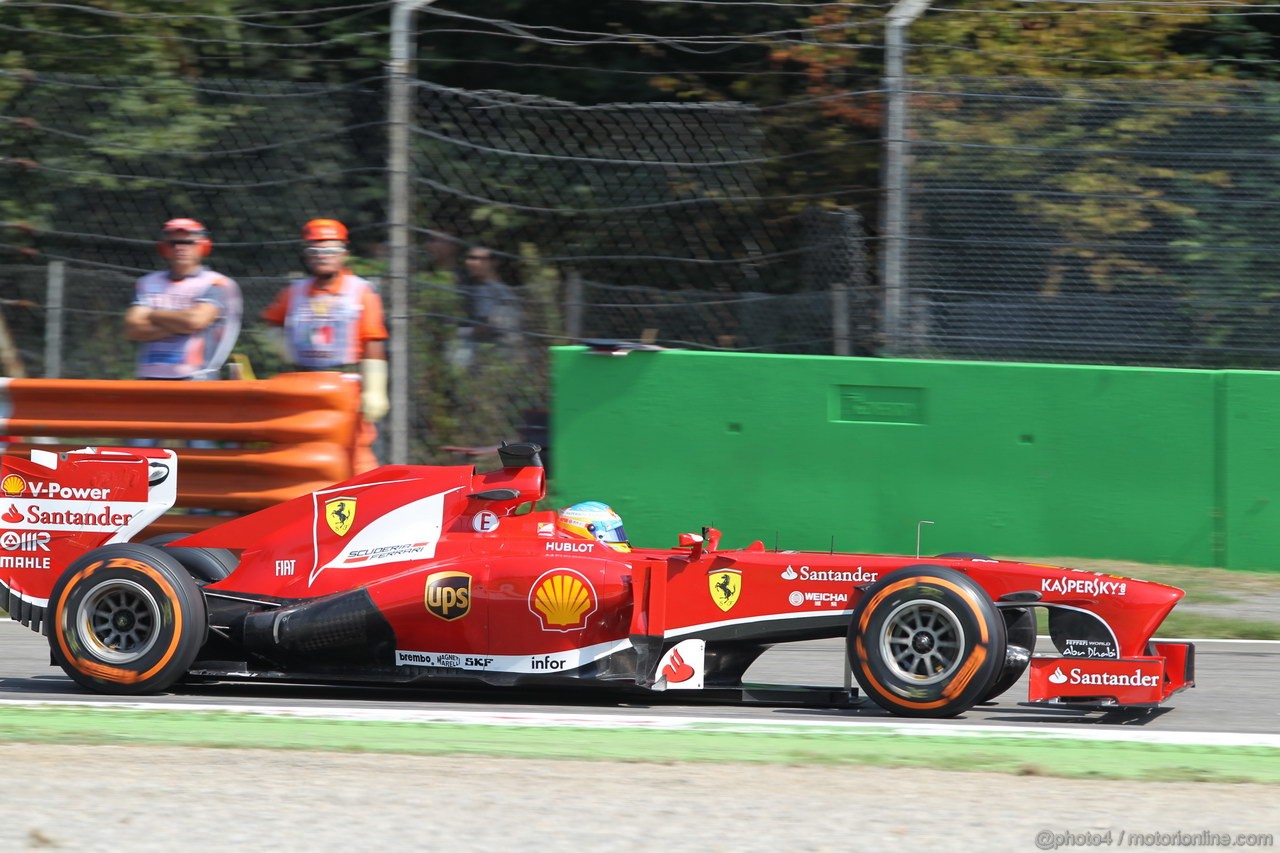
x: 1137, y: 678
x: 13, y: 516
x: 677, y: 670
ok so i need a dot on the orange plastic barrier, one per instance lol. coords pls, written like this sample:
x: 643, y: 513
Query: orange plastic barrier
x: 291, y: 434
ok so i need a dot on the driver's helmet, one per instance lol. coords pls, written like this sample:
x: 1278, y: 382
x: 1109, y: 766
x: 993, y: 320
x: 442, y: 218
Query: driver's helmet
x: 593, y: 520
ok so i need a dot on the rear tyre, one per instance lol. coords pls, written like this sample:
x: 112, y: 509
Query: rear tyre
x: 165, y: 538
x: 126, y: 619
x: 208, y: 565
x: 926, y: 641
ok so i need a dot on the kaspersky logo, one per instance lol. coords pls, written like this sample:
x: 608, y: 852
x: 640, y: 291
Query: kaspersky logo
x: 1083, y: 586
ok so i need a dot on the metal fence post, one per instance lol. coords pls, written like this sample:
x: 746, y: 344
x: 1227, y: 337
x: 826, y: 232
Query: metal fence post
x: 894, y: 220
x: 55, y: 287
x: 573, y: 306
x: 10, y: 361
x: 840, y: 316
x: 399, y: 206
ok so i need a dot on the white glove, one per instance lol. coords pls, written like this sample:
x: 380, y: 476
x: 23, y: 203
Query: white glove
x: 373, y: 389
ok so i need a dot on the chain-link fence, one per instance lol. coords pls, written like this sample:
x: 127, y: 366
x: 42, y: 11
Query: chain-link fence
x: 1099, y: 221
x: 673, y: 223
x: 1065, y: 220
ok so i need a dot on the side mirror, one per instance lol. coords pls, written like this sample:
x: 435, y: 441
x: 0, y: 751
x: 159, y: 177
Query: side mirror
x: 524, y: 454
x: 693, y: 541
x: 157, y: 473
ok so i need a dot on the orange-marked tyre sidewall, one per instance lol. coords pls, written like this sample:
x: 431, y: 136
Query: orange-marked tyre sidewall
x: 170, y: 600
x: 1020, y: 630
x: 977, y: 662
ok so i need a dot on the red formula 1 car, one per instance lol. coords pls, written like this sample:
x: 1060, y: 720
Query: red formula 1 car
x: 412, y: 573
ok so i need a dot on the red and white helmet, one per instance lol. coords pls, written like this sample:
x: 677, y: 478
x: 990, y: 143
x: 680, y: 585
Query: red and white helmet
x: 192, y: 227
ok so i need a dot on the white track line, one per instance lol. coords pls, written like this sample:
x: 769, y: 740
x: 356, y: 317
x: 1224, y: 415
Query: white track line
x: 671, y: 723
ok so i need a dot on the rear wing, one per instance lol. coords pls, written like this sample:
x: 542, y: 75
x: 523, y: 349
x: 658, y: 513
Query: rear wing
x: 56, y: 506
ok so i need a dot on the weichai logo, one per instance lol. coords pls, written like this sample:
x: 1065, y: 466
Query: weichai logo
x: 12, y: 485
x: 448, y: 595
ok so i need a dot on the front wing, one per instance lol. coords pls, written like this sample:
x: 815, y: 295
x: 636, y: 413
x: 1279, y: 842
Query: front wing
x: 1143, y: 681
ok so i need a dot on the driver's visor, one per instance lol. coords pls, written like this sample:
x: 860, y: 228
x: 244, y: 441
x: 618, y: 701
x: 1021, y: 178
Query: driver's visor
x: 613, y: 534
x: 615, y: 537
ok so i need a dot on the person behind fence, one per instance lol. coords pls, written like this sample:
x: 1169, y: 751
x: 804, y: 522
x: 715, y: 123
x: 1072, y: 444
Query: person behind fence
x: 492, y: 306
x: 442, y: 256
x: 333, y: 319
x: 187, y: 317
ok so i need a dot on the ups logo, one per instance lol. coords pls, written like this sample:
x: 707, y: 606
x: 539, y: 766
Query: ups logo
x: 449, y: 595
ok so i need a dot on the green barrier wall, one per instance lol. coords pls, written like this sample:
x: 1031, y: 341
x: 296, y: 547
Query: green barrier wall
x: 1165, y: 466
x: 1249, y: 460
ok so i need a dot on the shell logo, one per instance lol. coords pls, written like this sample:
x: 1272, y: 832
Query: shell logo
x: 563, y: 600
x: 13, y: 485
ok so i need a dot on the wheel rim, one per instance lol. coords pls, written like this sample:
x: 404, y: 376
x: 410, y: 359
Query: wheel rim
x: 118, y: 621
x: 922, y: 642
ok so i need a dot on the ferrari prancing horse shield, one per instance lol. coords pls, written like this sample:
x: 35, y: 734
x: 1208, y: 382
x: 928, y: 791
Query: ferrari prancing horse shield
x: 340, y: 513
x: 725, y: 586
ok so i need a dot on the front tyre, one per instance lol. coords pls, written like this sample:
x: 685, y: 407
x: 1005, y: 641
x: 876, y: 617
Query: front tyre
x: 926, y: 641
x: 1020, y: 631
x: 126, y: 619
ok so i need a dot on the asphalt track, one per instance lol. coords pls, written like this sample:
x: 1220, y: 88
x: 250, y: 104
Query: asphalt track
x: 1234, y: 693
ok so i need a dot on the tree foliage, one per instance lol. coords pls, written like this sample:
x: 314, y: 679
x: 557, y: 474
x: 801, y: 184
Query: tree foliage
x: 813, y: 72
x: 1087, y: 151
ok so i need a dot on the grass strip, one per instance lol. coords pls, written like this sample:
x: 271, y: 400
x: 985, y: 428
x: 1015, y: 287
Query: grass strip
x: 1218, y: 627
x: 1040, y: 756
